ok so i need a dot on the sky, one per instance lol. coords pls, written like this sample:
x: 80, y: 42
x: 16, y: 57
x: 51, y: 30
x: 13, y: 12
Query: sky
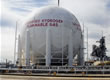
x: 93, y: 14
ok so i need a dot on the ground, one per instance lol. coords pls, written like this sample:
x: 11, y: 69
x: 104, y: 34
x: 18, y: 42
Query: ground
x: 14, y: 77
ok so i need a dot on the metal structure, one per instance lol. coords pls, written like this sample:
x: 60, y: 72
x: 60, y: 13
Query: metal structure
x: 67, y: 71
x: 100, y: 51
x: 51, y: 36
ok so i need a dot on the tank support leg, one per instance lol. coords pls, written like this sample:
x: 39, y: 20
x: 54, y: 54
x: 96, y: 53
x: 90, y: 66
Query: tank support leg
x: 19, y: 51
x: 48, y: 47
x: 70, y: 50
x: 27, y: 48
x: 81, y: 54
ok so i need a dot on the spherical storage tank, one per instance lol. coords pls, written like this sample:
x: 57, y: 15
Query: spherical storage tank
x: 51, y: 35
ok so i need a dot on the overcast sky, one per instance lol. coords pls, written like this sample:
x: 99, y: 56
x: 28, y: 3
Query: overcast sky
x: 95, y: 14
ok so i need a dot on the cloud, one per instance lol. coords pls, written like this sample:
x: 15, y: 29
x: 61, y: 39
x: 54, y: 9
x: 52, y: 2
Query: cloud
x: 7, y: 43
x: 94, y: 11
x: 9, y: 17
x: 26, y: 5
x: 13, y: 10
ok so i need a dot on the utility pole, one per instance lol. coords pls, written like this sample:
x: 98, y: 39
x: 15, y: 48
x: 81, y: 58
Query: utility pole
x: 58, y: 3
x: 87, y: 46
x: 15, y: 43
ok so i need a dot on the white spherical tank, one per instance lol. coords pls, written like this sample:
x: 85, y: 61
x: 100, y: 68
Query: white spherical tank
x: 52, y: 26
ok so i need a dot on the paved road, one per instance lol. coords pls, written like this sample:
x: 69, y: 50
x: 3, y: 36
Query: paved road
x: 11, y: 77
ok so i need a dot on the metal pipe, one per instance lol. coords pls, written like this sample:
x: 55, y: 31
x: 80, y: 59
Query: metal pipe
x: 48, y: 47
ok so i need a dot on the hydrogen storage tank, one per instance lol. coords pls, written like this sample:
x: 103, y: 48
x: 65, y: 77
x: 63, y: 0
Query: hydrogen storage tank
x: 51, y: 36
